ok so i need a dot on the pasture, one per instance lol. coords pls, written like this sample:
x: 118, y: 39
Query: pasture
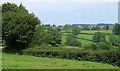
x: 12, y: 61
x: 85, y: 36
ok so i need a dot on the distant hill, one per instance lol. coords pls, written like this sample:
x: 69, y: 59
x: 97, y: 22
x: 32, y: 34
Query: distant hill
x: 83, y: 24
x: 100, y: 24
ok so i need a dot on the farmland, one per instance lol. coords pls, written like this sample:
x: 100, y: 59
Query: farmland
x: 12, y: 61
x: 29, y: 43
x: 85, y: 36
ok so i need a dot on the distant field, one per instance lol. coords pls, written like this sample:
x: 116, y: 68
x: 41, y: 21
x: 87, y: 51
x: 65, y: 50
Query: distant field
x: 84, y: 37
x: 11, y: 61
x: 94, y: 31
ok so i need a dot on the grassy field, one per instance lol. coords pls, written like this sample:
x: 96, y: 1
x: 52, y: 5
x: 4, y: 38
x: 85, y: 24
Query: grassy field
x: 11, y: 61
x: 94, y: 31
x: 84, y: 37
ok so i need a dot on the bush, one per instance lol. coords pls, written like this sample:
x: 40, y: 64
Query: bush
x: 100, y: 45
x: 104, y: 56
x: 103, y: 45
x: 99, y: 37
x: 72, y: 41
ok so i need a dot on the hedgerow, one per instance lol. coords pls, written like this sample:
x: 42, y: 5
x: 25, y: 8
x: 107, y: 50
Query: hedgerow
x: 104, y: 56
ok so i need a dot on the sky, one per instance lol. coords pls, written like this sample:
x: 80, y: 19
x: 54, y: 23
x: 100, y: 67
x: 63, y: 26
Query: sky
x: 60, y: 12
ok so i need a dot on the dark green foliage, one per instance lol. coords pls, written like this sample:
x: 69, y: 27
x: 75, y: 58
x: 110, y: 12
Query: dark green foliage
x: 107, y: 27
x: 104, y: 56
x: 86, y: 28
x: 47, y: 25
x: 17, y: 26
x: 112, y: 39
x: 76, y: 31
x: 72, y: 41
x: 99, y: 37
x: 99, y: 46
x: 60, y: 26
x: 103, y: 45
x: 54, y: 37
x: 59, y: 29
x: 54, y: 26
x: 40, y: 36
x: 116, y: 29
x: 97, y: 28
x: 67, y: 27
x: 7, y: 7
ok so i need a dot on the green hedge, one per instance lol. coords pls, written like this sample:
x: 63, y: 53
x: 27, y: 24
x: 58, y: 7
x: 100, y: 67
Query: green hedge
x: 104, y: 56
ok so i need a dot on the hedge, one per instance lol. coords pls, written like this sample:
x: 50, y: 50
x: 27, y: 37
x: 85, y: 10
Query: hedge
x: 104, y: 56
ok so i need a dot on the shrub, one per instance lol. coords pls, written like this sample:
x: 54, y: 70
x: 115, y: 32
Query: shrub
x: 99, y: 37
x: 104, y: 56
x: 72, y: 41
x: 103, y: 45
x: 100, y: 45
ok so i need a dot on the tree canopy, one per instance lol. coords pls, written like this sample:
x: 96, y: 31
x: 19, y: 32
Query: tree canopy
x: 18, y: 25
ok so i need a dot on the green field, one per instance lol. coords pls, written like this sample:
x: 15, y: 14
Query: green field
x: 94, y: 31
x: 84, y: 36
x: 11, y: 61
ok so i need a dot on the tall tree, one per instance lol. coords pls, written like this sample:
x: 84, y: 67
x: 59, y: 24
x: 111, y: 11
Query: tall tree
x: 18, y: 27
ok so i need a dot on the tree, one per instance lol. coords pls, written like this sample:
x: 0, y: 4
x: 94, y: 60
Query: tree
x: 99, y: 37
x: 103, y: 45
x: 112, y: 39
x: 18, y: 26
x: 54, y: 37
x: 107, y: 27
x: 67, y: 27
x: 7, y: 7
x: 71, y: 41
x: 58, y: 28
x: 54, y: 25
x: 40, y: 36
x: 97, y: 28
x: 86, y: 28
x: 100, y: 45
x: 116, y: 29
x: 76, y: 31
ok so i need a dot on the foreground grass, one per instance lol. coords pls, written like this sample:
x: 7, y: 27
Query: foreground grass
x: 11, y: 61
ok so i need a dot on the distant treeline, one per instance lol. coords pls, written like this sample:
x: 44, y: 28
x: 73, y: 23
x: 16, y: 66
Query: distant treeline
x: 92, y: 24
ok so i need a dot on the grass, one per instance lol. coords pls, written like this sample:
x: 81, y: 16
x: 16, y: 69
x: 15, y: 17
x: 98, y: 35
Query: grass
x: 94, y: 31
x: 11, y: 61
x: 84, y: 43
x: 85, y: 36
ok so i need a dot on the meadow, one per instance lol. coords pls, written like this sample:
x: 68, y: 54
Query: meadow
x: 13, y: 61
x: 85, y: 36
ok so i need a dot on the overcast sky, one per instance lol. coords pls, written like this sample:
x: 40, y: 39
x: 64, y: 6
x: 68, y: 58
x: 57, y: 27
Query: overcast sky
x: 72, y: 11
